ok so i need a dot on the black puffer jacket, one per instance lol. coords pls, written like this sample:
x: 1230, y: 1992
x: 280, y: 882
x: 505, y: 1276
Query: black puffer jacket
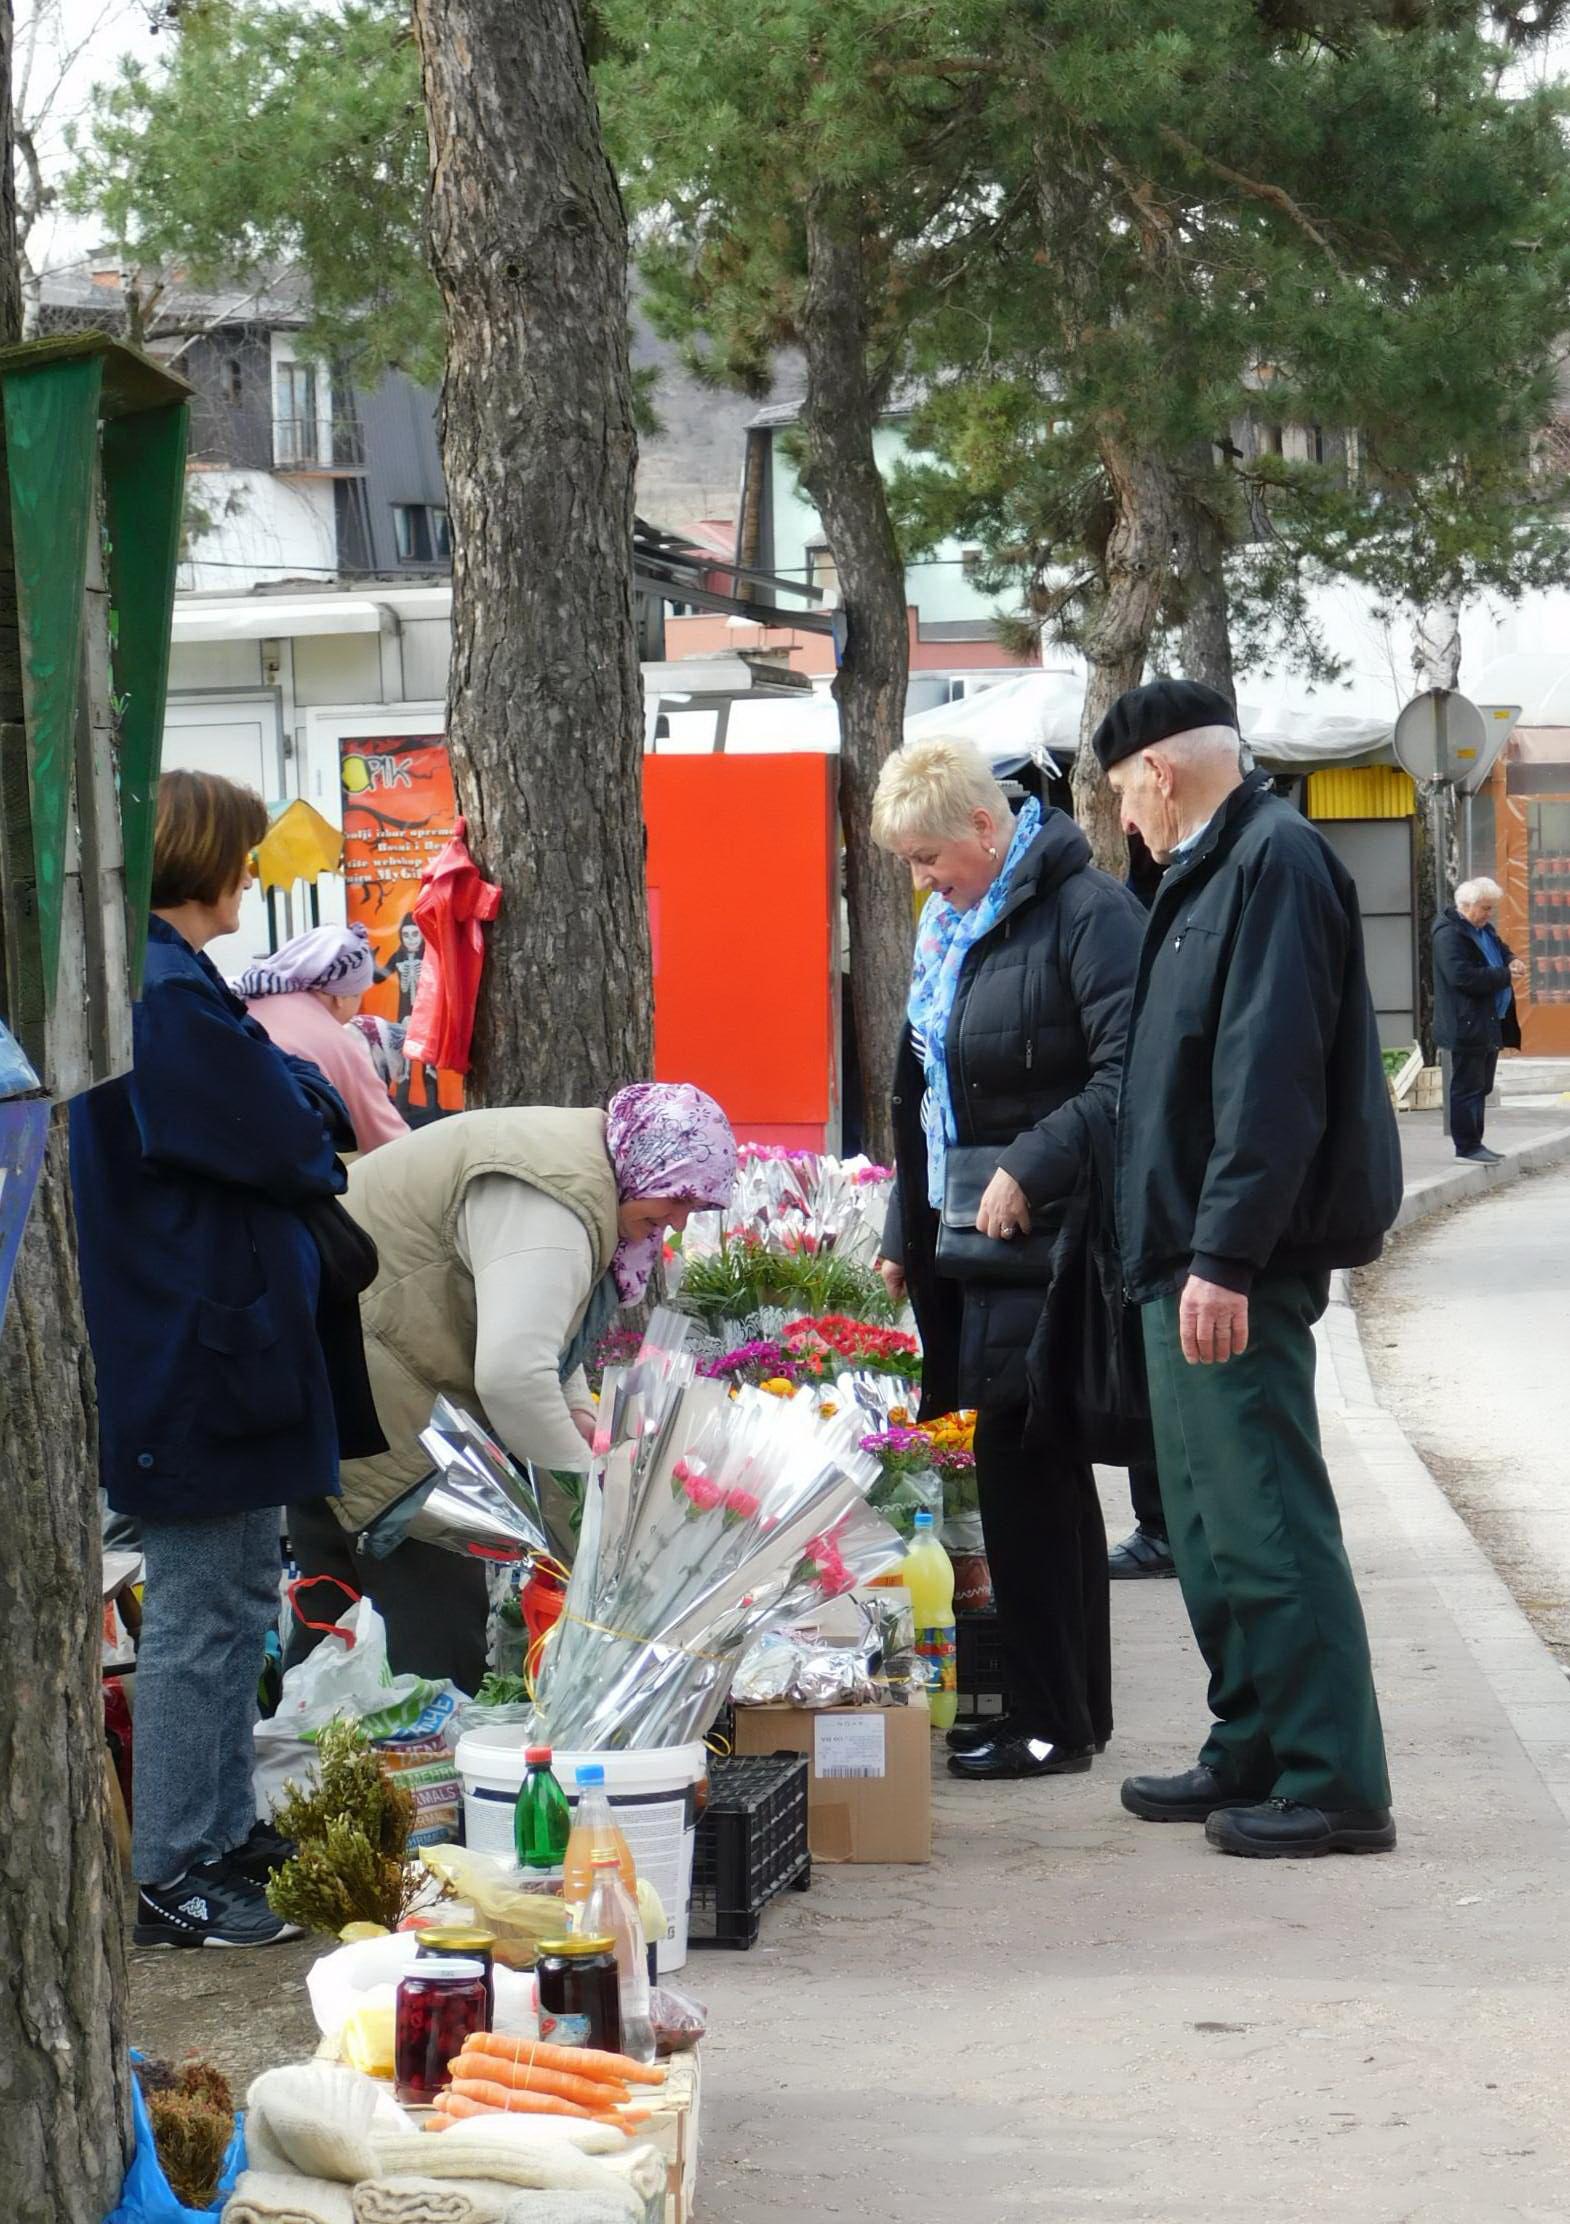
x: 1040, y: 1017
x: 1256, y: 1128
x: 1465, y: 988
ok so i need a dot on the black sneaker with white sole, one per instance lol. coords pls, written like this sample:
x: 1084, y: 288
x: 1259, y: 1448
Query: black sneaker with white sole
x: 209, y: 1906
x: 264, y: 1851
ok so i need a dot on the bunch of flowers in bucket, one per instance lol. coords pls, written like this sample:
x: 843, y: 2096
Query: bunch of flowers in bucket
x: 710, y: 1519
x: 745, y: 1286
x: 907, y: 1484
x: 831, y: 1341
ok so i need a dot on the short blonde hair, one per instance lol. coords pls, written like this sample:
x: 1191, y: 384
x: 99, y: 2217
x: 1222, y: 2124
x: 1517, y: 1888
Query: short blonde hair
x: 932, y: 788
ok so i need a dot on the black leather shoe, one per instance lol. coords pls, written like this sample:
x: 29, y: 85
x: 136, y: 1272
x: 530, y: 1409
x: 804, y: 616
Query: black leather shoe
x: 1284, y: 1830
x: 1481, y: 1156
x: 965, y: 1737
x: 1141, y: 1554
x: 1192, y: 1797
x: 1018, y: 1754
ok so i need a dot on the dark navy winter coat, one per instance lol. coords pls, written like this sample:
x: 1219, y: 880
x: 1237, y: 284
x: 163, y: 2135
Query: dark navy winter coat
x: 199, y: 1276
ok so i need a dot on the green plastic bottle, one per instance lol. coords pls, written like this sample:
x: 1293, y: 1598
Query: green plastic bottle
x: 542, y: 1819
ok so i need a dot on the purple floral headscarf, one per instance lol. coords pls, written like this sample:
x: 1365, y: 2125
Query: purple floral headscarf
x: 665, y: 1139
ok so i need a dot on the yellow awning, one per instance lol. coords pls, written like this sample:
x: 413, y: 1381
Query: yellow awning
x: 298, y: 845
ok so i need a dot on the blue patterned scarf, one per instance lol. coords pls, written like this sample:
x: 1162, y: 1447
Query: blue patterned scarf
x: 944, y: 936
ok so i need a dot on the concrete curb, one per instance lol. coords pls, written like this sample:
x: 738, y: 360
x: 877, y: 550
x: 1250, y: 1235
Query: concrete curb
x: 1436, y: 1192
x: 1528, y: 1683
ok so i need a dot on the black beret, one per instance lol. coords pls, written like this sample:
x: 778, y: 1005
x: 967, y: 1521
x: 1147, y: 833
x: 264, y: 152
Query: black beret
x: 1142, y: 716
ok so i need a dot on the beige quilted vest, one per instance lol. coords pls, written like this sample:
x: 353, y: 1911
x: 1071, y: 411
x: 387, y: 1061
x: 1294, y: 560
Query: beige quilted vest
x: 418, y: 1315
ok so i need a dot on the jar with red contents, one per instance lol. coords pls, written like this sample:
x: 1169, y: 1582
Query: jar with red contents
x: 440, y: 2004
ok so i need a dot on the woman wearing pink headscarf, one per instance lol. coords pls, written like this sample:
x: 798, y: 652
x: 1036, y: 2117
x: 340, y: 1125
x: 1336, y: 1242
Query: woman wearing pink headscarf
x: 305, y: 995
x: 508, y: 1240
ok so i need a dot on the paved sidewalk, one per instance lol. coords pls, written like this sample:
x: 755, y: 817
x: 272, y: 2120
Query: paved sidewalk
x: 1074, y: 2015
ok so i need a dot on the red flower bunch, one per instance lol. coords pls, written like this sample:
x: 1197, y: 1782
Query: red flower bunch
x: 816, y: 1344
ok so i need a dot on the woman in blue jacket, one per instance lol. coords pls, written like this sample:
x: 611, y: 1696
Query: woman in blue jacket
x: 1475, y: 980
x: 200, y: 1279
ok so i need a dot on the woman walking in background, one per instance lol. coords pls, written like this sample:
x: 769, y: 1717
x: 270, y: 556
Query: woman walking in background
x: 200, y: 1282
x: 1019, y: 1002
x: 1475, y: 977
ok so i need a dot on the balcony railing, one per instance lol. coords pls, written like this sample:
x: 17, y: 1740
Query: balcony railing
x: 331, y: 445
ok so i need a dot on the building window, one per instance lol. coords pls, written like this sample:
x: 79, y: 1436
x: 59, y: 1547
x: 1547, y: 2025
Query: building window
x: 299, y: 438
x: 822, y: 571
x: 423, y: 533
x: 233, y: 381
x: 970, y: 561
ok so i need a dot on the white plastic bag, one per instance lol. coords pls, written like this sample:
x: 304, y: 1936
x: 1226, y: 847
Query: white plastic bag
x: 412, y: 1720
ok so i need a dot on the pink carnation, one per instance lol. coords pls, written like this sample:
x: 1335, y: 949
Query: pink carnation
x: 742, y: 1503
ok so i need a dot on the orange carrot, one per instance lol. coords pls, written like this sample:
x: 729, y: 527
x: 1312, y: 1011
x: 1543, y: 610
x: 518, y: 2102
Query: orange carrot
x: 577, y: 2061
x: 504, y: 2099
x: 527, y: 2077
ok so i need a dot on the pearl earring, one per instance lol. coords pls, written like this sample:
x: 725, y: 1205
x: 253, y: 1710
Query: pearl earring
x: 991, y: 851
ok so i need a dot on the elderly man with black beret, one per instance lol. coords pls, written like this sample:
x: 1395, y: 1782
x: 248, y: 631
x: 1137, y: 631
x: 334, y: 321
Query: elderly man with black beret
x: 1257, y: 1152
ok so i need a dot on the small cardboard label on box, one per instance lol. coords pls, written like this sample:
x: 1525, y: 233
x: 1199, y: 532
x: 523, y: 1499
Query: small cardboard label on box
x: 849, y: 1745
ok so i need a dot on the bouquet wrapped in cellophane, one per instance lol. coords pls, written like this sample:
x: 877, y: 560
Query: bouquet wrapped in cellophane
x: 801, y: 1234
x: 709, y: 1518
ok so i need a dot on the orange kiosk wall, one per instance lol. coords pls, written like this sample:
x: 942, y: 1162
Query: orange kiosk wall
x: 744, y: 908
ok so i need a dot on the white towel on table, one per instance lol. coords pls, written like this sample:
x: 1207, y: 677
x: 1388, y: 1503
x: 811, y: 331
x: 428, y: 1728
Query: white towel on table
x: 540, y: 2165
x: 319, y: 2120
x: 415, y: 2200
x: 284, y: 2197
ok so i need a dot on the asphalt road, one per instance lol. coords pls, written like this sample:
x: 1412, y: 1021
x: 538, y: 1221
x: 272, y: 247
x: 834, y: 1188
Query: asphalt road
x: 1466, y: 1326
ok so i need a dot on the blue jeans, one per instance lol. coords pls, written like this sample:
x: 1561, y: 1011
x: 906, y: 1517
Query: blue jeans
x: 211, y: 1597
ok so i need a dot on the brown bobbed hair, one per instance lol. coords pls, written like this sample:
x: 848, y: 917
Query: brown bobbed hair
x: 207, y: 828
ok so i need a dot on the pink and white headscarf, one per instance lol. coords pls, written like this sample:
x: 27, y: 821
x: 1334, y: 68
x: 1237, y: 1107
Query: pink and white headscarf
x: 665, y: 1139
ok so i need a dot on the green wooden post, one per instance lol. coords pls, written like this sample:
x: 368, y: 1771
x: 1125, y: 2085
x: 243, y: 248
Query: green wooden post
x: 144, y: 490
x: 94, y: 449
x: 51, y: 446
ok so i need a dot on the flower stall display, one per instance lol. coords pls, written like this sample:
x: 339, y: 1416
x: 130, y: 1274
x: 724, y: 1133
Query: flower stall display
x: 801, y: 1234
x: 862, y: 1345
x: 746, y: 1287
x: 908, y: 1483
x: 718, y: 1515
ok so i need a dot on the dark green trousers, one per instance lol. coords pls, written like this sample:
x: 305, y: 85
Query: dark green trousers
x: 1257, y: 1540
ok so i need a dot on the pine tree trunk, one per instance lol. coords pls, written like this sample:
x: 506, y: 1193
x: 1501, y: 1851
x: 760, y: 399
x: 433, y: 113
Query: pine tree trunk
x: 1207, y: 631
x: 1137, y: 574
x: 545, y: 722
x: 64, y: 2073
x: 840, y: 472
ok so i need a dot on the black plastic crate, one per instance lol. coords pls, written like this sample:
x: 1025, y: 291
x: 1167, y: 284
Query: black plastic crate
x: 980, y: 1675
x: 751, y: 1844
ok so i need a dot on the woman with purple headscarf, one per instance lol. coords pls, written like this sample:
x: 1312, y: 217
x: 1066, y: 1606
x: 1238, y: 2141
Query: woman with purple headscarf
x: 508, y: 1242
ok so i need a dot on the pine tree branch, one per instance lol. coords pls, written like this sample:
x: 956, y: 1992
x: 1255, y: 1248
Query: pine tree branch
x: 1276, y: 195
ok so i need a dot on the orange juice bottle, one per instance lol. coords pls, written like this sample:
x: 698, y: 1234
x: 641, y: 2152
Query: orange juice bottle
x: 594, y: 1830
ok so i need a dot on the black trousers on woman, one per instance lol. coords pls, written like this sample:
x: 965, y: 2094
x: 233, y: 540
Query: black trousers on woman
x: 1047, y: 1552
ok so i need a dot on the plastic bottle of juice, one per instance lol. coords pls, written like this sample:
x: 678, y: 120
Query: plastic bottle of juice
x: 542, y: 1819
x: 612, y: 1912
x: 594, y: 1830
x: 929, y: 1578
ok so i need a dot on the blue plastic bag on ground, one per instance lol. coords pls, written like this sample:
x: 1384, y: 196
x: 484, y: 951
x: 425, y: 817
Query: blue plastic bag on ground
x: 146, y: 2197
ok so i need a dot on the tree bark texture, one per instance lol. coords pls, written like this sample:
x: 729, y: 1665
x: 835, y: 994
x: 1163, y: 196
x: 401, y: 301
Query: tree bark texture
x: 64, y: 2070
x: 841, y: 474
x: 1206, y: 629
x: 1137, y: 573
x: 545, y: 720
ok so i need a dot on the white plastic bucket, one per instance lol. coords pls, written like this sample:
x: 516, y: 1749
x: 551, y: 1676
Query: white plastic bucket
x: 654, y: 1797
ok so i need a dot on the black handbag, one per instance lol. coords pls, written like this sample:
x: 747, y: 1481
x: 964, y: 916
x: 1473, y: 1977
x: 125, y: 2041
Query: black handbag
x: 964, y: 1254
x: 349, y: 1266
x: 1085, y: 1371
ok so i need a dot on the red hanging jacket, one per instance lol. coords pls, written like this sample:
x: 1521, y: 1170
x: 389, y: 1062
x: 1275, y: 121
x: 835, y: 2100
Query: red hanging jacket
x: 452, y: 905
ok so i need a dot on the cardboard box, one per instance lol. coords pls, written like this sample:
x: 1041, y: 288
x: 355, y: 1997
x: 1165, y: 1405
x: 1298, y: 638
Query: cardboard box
x: 869, y: 1795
